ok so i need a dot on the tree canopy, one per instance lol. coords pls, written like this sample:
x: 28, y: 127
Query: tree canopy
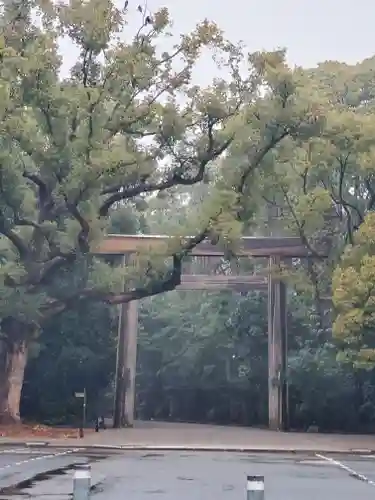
x: 127, y: 121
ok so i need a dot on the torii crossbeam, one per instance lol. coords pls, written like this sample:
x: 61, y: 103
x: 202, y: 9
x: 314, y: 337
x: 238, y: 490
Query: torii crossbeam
x: 120, y: 244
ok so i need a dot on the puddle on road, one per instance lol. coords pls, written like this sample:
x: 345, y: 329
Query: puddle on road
x: 19, y: 489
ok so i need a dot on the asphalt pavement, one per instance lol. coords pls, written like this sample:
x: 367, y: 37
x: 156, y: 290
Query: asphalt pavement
x: 208, y: 476
x: 24, y: 466
x: 214, y: 476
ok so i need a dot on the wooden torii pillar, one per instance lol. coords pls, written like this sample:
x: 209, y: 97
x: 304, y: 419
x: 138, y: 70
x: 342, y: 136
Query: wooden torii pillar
x: 126, y: 365
x: 278, y: 407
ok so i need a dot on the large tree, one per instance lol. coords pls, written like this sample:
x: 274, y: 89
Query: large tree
x: 322, y: 188
x: 335, y: 200
x: 125, y: 122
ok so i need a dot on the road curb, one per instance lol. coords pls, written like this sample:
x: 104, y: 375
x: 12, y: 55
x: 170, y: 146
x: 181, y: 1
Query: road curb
x: 193, y: 448
x: 233, y: 449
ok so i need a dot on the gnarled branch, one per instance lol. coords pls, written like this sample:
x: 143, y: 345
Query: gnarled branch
x: 174, y: 178
x: 172, y: 279
x: 18, y: 242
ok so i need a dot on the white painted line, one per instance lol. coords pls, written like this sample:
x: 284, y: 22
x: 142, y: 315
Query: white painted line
x: 42, y: 457
x: 23, y: 451
x: 13, y: 451
x: 37, y: 443
x: 315, y: 462
x: 349, y: 470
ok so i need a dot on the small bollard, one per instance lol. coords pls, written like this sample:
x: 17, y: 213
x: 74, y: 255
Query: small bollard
x: 255, y: 487
x: 82, y: 483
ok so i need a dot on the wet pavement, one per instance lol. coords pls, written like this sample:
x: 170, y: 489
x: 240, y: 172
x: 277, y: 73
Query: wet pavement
x: 214, y: 476
x: 22, y: 466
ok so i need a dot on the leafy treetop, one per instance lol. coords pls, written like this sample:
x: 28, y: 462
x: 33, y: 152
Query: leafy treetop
x: 125, y: 123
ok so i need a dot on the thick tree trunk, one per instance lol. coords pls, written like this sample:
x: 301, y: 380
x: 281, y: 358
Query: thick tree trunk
x: 13, y: 359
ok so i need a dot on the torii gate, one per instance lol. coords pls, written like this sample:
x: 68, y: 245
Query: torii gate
x: 273, y: 248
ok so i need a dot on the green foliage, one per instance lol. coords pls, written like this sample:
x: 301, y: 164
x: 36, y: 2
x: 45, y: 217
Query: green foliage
x: 127, y: 122
x: 191, y: 362
x: 321, y: 188
x: 320, y: 388
x: 203, y: 357
x: 76, y: 351
x: 353, y: 286
x: 344, y: 166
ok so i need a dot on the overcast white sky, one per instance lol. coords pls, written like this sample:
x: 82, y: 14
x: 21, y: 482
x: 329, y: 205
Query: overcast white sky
x: 311, y: 30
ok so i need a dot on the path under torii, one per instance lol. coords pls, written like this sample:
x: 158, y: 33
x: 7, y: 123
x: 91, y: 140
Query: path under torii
x: 275, y: 249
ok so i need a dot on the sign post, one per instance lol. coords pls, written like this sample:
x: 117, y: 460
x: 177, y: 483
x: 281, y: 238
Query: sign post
x: 82, y: 395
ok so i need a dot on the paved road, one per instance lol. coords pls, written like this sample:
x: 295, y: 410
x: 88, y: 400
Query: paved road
x: 23, y: 464
x: 222, y: 476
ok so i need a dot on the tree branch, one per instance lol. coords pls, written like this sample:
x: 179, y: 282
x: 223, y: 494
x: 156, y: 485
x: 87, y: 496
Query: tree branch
x: 256, y: 160
x: 44, y: 197
x: 83, y: 235
x: 371, y: 201
x: 300, y: 226
x: 20, y: 245
x: 171, y: 280
x: 175, y: 178
x: 50, y: 267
